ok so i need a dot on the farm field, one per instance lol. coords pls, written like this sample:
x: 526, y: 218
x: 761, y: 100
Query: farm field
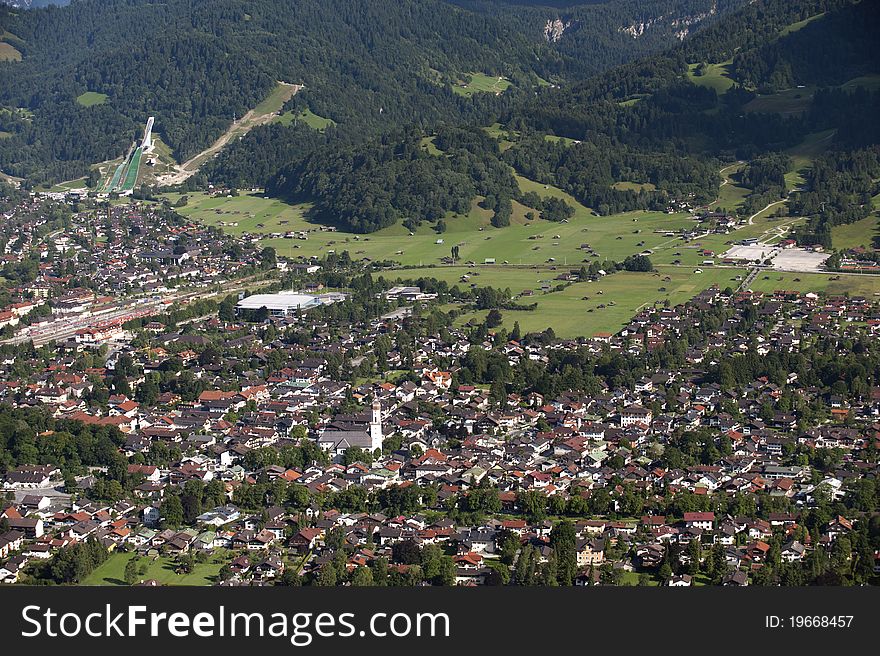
x: 530, y: 254
x: 112, y: 572
x: 482, y: 83
x: 522, y: 242
x: 91, y: 98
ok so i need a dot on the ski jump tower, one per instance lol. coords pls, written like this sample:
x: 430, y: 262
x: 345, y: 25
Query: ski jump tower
x: 147, y: 143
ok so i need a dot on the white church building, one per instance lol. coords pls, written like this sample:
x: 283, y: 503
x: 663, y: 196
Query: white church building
x: 344, y: 433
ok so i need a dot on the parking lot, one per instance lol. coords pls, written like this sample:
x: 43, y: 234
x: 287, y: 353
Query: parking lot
x: 783, y: 259
x: 798, y: 259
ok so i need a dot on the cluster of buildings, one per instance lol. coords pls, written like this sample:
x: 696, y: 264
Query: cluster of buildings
x: 255, y: 394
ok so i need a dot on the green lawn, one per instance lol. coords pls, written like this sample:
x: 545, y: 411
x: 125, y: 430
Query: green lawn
x: 305, y: 116
x: 632, y: 578
x: 530, y: 253
x: 112, y: 572
x: 482, y: 83
x: 91, y: 98
x: 715, y: 76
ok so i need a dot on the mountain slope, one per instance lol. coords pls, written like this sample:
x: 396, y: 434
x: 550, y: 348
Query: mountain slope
x: 365, y: 65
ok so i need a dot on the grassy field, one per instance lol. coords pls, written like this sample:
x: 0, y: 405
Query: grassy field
x: 112, y: 572
x: 804, y: 153
x: 794, y: 27
x: 249, y: 212
x: 787, y: 102
x: 529, y: 254
x: 869, y: 82
x: 634, y: 186
x: 305, y: 116
x: 91, y: 98
x: 715, y: 76
x: 78, y: 183
x: 864, y: 233
x: 523, y: 242
x: 730, y: 195
x: 582, y: 308
x: 428, y: 143
x: 8, y: 52
x: 855, y: 284
x: 482, y: 83
x: 275, y: 100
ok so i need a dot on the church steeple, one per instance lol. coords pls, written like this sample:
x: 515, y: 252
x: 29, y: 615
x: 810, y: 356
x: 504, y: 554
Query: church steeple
x: 376, y: 436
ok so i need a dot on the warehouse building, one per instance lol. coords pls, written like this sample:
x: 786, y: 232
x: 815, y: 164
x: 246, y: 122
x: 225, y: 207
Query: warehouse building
x: 284, y: 304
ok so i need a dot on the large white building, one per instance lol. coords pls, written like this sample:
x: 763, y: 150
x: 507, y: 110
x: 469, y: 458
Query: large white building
x: 279, y: 305
x: 284, y: 304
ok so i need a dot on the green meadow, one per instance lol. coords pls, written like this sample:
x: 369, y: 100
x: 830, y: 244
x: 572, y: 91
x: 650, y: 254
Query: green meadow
x: 305, y: 116
x: 714, y: 76
x: 162, y: 569
x: 865, y: 233
x: 482, y: 83
x: 91, y: 98
x: 249, y: 212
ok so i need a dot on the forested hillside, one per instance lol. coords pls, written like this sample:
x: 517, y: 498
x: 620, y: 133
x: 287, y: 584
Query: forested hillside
x: 367, y: 66
x: 651, y: 124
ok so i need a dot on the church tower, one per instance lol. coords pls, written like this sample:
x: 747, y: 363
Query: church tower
x: 376, y: 436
